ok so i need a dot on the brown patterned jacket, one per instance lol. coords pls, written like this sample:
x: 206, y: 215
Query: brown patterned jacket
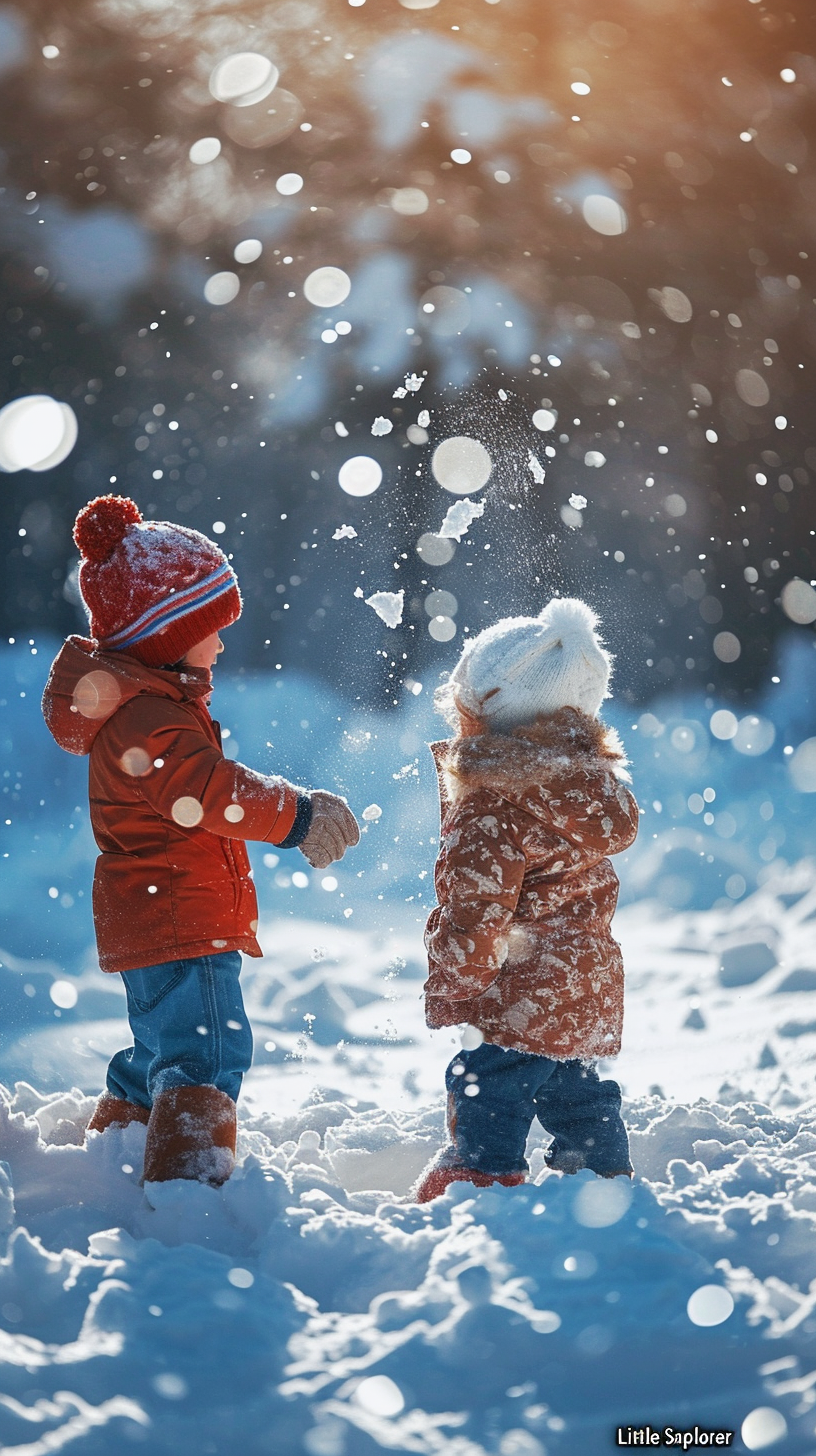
x: 520, y: 943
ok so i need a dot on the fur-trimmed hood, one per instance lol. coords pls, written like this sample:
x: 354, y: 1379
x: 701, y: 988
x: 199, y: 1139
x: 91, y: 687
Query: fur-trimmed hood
x: 543, y: 755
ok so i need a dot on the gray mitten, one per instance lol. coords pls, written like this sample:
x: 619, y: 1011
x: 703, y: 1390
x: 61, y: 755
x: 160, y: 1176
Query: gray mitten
x: 332, y: 831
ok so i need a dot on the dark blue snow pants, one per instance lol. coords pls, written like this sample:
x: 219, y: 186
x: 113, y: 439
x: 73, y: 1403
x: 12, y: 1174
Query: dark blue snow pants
x: 494, y: 1094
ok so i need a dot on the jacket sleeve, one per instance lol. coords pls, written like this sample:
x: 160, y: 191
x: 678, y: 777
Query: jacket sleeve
x: 466, y: 938
x: 185, y: 777
x: 595, y: 810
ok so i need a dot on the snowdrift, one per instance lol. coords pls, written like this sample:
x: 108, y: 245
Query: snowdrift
x: 310, y: 1306
x: 291, y: 1314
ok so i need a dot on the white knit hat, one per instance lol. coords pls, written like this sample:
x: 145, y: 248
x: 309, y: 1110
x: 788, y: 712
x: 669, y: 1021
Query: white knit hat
x: 524, y: 666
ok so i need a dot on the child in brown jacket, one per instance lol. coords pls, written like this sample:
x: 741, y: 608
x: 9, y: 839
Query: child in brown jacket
x: 534, y: 799
x: 173, y: 899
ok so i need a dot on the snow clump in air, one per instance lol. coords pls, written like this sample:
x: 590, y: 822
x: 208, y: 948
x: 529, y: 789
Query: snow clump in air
x: 535, y: 468
x: 413, y: 382
x: 459, y: 517
x: 382, y: 426
x: 388, y: 606
x: 344, y: 533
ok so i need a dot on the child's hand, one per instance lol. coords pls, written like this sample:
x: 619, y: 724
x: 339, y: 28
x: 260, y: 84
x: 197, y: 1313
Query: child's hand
x: 332, y: 831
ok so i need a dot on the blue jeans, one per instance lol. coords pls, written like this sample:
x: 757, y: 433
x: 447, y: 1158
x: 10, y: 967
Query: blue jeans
x: 189, y: 1028
x: 489, y: 1129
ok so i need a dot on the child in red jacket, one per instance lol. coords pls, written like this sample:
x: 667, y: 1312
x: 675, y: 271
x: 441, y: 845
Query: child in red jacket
x: 534, y: 800
x: 174, y: 904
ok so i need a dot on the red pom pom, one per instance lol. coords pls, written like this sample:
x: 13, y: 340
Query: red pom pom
x: 102, y: 523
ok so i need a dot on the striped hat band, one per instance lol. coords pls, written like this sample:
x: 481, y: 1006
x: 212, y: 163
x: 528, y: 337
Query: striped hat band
x: 176, y: 605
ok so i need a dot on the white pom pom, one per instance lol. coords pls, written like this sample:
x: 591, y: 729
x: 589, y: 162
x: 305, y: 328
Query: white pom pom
x: 568, y: 615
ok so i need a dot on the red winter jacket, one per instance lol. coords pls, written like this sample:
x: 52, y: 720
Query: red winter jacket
x: 169, y: 812
x: 520, y: 944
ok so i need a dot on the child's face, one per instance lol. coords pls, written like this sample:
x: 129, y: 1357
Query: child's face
x: 204, y: 653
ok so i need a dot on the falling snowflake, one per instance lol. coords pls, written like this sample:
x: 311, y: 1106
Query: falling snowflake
x: 387, y: 605
x: 413, y: 382
x: 382, y: 426
x: 399, y: 393
x: 536, y: 468
x: 578, y: 502
x: 358, y: 591
x: 424, y: 419
x: 344, y: 533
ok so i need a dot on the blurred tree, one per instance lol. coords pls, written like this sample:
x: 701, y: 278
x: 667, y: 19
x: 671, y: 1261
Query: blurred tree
x: 587, y: 233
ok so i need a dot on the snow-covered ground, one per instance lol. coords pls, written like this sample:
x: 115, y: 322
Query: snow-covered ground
x: 309, y: 1306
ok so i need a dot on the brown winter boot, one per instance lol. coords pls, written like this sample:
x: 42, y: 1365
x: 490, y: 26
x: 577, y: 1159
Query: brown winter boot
x: 447, y: 1167
x: 191, y: 1134
x: 113, y: 1111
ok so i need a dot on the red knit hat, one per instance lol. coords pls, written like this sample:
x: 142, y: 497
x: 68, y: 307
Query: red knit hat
x: 151, y: 589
